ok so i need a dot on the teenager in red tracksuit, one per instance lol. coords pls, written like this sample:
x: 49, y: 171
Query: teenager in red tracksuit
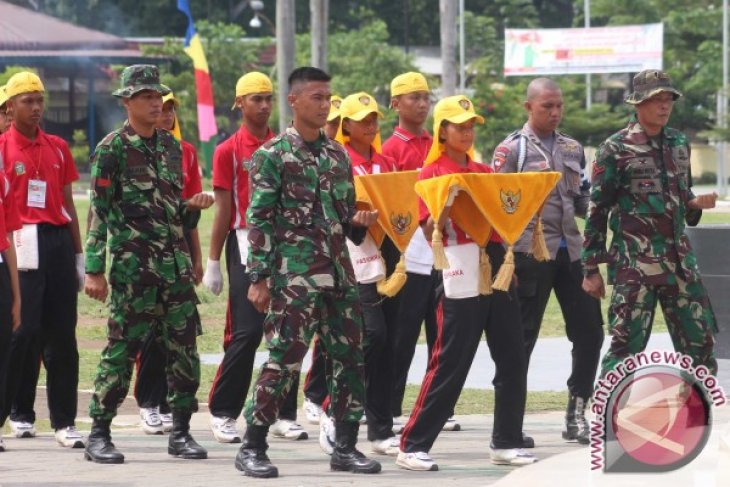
x: 465, y: 320
x: 41, y: 172
x: 244, y: 325
x: 150, y: 388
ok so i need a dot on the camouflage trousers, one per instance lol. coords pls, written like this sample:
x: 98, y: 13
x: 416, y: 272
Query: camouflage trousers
x: 297, y: 313
x: 687, y: 312
x: 170, y: 311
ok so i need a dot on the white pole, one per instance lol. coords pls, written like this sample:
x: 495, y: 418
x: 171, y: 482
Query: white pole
x: 285, y: 48
x: 447, y: 14
x: 462, y: 71
x: 722, y: 109
x: 587, y: 23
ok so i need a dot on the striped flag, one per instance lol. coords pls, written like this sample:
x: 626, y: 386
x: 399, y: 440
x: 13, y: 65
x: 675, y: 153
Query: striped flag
x: 207, y: 128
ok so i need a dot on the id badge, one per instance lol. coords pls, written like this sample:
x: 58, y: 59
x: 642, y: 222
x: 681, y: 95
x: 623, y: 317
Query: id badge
x: 36, y: 193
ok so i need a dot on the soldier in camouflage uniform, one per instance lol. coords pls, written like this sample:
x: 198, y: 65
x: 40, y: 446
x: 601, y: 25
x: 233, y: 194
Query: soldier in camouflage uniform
x: 642, y: 191
x: 301, y: 210
x: 137, y: 196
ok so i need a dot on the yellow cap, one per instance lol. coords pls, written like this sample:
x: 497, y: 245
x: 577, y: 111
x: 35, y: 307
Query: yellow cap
x: 170, y: 97
x: 335, y: 103
x: 408, y: 83
x: 454, y: 109
x: 3, y: 96
x: 356, y: 107
x: 253, y: 82
x: 23, y: 82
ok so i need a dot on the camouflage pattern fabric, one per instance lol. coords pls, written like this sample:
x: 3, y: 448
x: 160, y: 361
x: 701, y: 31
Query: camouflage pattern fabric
x: 140, y: 77
x: 137, y: 198
x: 298, y: 219
x: 297, y: 313
x: 640, y: 189
x: 170, y: 312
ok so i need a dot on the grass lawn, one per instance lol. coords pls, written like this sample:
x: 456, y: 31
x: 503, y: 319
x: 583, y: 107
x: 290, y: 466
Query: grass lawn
x: 92, y: 332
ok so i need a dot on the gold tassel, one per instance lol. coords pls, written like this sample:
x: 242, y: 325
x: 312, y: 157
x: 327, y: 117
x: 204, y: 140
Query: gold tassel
x: 538, y: 247
x: 440, y: 262
x: 394, y: 283
x: 485, y: 273
x: 506, y: 270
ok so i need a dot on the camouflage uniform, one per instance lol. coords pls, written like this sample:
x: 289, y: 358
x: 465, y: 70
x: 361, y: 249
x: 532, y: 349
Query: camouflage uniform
x: 641, y: 186
x: 137, y: 197
x: 298, y: 219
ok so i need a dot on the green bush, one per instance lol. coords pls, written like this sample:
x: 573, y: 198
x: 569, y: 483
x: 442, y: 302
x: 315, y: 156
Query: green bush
x: 80, y: 151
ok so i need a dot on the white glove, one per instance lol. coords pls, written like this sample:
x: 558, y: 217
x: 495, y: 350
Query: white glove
x: 213, y: 279
x: 80, y: 270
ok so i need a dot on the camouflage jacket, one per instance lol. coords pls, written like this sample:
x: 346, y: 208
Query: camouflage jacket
x: 641, y: 189
x: 300, y: 211
x: 523, y: 151
x: 137, y: 197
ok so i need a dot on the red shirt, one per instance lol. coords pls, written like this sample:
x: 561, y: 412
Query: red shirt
x: 46, y: 158
x: 377, y: 164
x: 192, y: 184
x: 408, y: 150
x: 9, y: 218
x: 230, y: 174
x: 452, y: 234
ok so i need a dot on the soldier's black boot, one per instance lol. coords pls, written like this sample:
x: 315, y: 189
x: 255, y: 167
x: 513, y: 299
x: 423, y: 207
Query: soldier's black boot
x: 576, y: 424
x: 99, y: 446
x: 181, y: 443
x: 345, y: 456
x: 251, y: 458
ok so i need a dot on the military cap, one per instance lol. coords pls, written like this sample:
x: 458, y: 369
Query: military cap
x: 651, y: 82
x: 139, y: 77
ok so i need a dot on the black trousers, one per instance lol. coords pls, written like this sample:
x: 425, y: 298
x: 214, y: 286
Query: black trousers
x: 6, y: 330
x: 243, y: 333
x: 379, y: 317
x: 459, y: 334
x: 48, y: 319
x: 581, y: 312
x: 418, y: 300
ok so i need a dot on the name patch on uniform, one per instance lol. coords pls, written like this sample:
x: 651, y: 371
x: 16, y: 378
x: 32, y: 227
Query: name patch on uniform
x: 643, y: 186
x: 138, y: 170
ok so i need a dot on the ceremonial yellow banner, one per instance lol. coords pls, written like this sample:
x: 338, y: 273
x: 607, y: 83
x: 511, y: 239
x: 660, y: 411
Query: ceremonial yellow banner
x: 392, y: 194
x: 504, y: 202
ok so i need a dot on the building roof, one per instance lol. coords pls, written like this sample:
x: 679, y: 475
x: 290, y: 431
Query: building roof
x: 22, y: 29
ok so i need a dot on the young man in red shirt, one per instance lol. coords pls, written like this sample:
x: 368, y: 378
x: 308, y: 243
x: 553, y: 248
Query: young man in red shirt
x: 244, y: 325
x: 9, y: 286
x: 41, y: 170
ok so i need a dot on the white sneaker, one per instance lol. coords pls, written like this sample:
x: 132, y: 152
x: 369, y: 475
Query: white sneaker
x: 151, y: 422
x: 22, y: 429
x: 326, y: 434
x: 511, y: 456
x: 389, y: 446
x: 288, y: 429
x: 166, y: 419
x: 451, y: 425
x: 364, y: 419
x: 69, y: 437
x: 416, y: 461
x: 312, y: 411
x: 398, y: 424
x: 224, y: 429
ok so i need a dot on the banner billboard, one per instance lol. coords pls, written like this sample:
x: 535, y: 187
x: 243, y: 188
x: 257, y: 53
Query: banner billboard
x: 623, y: 49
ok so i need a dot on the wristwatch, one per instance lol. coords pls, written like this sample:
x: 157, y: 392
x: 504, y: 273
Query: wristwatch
x: 254, y: 277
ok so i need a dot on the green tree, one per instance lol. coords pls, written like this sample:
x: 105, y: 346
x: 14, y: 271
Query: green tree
x: 362, y: 60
